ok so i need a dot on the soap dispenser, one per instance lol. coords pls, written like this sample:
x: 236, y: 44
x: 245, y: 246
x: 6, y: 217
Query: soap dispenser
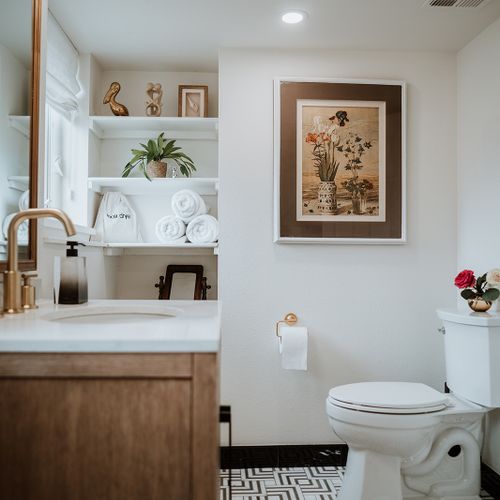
x: 73, y: 276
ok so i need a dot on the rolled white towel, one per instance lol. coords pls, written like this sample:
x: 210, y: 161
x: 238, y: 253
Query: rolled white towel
x: 170, y: 228
x: 24, y: 200
x: 203, y: 229
x: 188, y: 204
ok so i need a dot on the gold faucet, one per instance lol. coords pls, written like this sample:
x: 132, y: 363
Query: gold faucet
x: 12, y: 277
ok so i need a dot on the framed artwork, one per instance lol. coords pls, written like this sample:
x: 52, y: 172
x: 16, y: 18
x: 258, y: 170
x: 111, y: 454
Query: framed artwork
x: 339, y: 161
x: 193, y: 101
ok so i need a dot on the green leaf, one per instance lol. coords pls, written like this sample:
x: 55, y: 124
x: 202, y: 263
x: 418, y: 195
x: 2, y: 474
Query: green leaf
x: 143, y: 169
x: 126, y: 171
x: 491, y: 294
x: 160, y: 142
x: 481, y: 280
x: 468, y: 294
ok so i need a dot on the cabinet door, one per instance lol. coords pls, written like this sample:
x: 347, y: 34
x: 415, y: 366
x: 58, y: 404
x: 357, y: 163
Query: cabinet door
x: 82, y: 439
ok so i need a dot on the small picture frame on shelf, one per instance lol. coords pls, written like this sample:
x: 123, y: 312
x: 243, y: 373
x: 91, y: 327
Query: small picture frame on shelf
x: 193, y: 101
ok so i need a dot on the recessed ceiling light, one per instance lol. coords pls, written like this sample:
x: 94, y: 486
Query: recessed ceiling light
x: 293, y: 16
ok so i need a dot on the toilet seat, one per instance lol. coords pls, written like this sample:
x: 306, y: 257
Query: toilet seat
x: 396, y: 398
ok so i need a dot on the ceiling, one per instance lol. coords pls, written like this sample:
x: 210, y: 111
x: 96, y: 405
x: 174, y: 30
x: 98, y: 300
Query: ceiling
x: 185, y: 35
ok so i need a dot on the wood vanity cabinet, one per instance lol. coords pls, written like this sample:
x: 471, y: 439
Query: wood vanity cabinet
x: 108, y: 426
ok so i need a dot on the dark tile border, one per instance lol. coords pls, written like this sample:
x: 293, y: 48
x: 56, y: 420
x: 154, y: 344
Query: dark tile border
x: 322, y: 455
x: 249, y: 457
x: 490, y: 481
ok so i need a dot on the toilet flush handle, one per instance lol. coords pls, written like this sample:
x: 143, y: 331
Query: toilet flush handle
x: 442, y: 330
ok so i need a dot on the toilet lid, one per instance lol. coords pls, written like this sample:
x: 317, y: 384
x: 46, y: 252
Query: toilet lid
x: 389, y: 397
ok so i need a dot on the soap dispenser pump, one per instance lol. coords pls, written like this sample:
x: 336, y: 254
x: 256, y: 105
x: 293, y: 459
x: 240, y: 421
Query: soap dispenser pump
x: 73, y: 277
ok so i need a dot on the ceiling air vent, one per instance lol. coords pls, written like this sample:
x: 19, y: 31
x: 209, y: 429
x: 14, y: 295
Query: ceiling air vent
x: 463, y: 4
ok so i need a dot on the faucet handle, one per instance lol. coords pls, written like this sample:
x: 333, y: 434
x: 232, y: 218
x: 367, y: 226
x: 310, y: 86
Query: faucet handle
x: 28, y: 299
x: 27, y: 278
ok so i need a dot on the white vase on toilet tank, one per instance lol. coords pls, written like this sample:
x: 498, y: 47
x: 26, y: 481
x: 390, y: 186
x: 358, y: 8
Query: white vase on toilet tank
x: 407, y: 440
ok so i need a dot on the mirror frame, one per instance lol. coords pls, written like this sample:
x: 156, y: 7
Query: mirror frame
x: 36, y: 38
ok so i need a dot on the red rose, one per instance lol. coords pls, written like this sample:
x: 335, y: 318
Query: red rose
x: 465, y: 279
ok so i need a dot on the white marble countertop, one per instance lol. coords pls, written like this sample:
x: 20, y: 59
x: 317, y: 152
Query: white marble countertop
x: 142, y: 326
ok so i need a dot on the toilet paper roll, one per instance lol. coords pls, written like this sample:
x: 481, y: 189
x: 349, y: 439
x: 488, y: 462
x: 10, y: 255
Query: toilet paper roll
x: 293, y: 347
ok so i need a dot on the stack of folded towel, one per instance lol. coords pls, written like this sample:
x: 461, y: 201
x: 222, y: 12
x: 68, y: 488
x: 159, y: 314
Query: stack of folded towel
x: 189, y: 222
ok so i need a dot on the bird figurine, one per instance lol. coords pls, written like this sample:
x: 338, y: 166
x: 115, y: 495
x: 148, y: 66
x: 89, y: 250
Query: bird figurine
x: 117, y: 108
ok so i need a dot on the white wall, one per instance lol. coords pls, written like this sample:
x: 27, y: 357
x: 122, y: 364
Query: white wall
x: 479, y: 173
x: 370, y: 309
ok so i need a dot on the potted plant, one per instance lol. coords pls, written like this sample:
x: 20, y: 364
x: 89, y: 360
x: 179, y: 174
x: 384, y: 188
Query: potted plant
x: 149, y: 159
x: 358, y: 189
x: 324, y: 139
x: 354, y: 149
x: 479, y: 292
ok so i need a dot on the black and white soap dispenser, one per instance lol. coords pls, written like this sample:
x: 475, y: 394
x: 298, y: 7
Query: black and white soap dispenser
x: 73, y: 277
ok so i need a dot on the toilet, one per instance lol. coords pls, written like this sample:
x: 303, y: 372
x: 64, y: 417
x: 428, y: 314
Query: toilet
x: 407, y: 440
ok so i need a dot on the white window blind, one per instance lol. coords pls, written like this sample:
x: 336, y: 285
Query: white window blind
x: 62, y: 69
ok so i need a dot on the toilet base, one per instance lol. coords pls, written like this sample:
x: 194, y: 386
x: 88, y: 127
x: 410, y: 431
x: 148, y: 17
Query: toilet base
x: 371, y: 476
x: 374, y: 476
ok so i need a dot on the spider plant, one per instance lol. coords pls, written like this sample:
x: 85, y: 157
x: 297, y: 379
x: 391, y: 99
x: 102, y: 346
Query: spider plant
x: 158, y: 150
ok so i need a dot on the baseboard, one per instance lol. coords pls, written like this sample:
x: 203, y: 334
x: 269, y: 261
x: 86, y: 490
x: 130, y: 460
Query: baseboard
x: 250, y: 457
x: 490, y: 481
x: 322, y: 455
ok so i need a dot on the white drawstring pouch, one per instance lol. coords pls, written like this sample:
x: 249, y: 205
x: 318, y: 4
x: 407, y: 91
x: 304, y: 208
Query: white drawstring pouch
x: 116, y: 220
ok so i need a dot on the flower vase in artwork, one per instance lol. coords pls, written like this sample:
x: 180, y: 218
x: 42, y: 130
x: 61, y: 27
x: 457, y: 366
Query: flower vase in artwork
x: 327, y: 201
x: 359, y: 201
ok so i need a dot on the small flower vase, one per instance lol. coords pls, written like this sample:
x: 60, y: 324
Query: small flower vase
x: 479, y: 304
x: 173, y: 171
x: 327, y: 201
x: 359, y: 202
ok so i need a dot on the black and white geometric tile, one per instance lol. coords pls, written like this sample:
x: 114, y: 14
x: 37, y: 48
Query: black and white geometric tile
x: 286, y: 483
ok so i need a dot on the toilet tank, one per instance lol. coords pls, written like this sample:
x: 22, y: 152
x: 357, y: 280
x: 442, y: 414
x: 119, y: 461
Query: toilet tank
x: 472, y: 355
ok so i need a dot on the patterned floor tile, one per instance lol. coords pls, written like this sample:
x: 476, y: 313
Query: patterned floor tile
x: 286, y: 483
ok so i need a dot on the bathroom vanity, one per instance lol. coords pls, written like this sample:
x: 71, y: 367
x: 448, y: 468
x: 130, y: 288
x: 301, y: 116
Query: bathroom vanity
x: 110, y: 400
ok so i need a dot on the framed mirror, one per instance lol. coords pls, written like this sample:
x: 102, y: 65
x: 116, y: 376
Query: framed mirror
x: 183, y: 282
x: 20, y: 27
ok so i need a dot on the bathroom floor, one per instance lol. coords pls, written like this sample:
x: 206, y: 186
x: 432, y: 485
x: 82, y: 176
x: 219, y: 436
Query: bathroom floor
x: 291, y: 483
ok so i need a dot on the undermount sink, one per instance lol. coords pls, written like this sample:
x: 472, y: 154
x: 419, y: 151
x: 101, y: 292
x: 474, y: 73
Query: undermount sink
x: 111, y: 314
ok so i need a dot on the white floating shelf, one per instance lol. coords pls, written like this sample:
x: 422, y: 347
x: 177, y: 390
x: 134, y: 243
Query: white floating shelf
x: 62, y: 241
x: 21, y: 124
x: 144, y: 127
x: 142, y: 186
x: 117, y: 249
x: 19, y: 182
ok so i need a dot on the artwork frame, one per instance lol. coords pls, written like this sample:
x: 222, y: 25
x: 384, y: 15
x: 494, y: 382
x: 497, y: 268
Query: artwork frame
x: 199, y: 95
x: 364, y: 152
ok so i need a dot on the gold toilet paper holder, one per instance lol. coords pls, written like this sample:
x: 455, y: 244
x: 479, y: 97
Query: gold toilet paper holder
x: 290, y: 319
